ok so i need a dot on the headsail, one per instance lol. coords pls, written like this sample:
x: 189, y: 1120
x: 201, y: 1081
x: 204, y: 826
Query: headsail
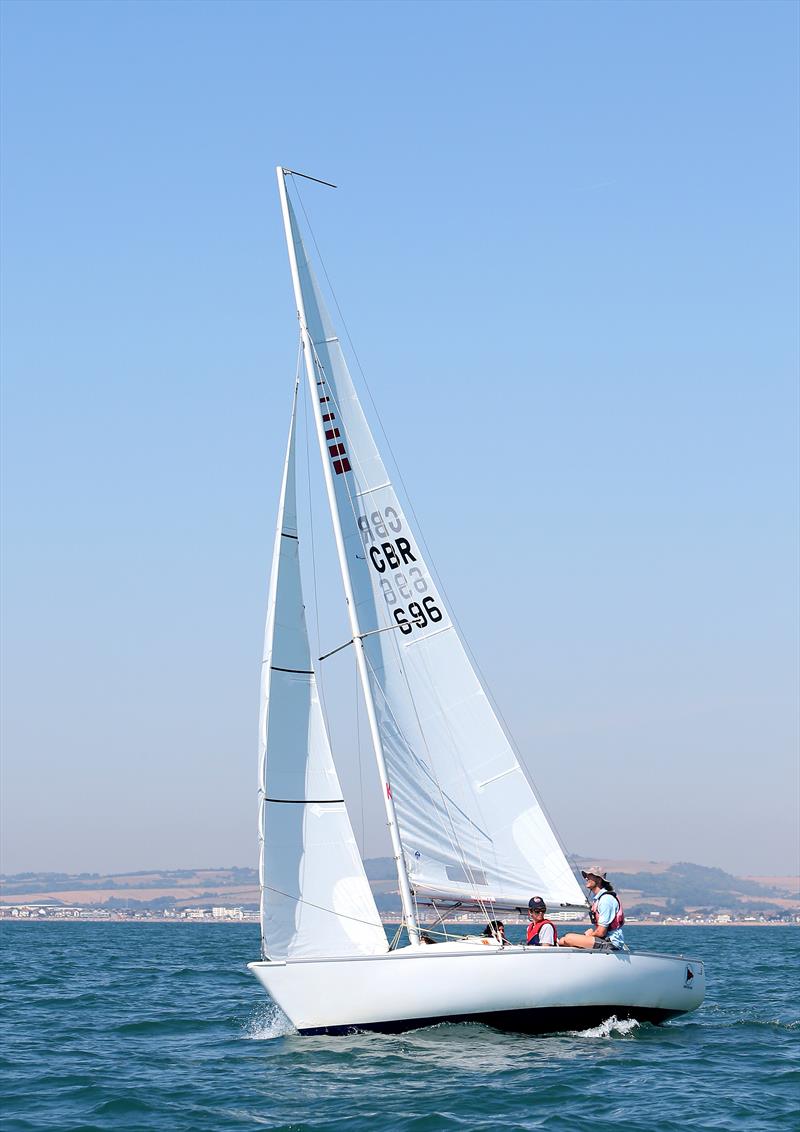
x: 315, y: 898
x: 471, y: 826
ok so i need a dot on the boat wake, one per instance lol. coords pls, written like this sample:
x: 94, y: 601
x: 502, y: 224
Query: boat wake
x: 611, y: 1028
x: 267, y: 1023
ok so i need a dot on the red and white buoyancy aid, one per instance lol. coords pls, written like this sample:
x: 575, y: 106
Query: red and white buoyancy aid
x: 533, y: 933
x: 619, y: 918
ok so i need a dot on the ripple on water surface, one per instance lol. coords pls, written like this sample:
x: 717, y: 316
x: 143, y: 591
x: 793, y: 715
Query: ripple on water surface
x: 150, y: 1026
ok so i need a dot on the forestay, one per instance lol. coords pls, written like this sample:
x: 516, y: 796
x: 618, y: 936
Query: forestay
x: 315, y: 898
x: 470, y: 824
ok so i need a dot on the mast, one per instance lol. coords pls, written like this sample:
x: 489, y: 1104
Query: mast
x: 358, y: 643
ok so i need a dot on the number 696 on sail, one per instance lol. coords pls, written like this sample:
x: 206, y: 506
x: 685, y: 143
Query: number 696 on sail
x: 420, y: 613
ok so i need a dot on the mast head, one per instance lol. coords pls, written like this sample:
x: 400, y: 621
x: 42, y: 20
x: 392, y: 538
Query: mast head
x: 281, y: 169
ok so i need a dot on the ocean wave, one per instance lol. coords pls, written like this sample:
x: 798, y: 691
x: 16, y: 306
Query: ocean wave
x: 167, y: 1024
x: 772, y: 1023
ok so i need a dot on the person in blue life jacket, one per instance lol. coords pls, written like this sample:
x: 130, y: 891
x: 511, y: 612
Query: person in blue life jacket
x: 541, y: 932
x: 606, y: 915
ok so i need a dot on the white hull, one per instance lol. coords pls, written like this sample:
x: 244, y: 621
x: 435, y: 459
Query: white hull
x: 513, y: 988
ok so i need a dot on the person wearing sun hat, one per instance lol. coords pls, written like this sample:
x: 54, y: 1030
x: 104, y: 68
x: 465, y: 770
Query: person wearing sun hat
x: 606, y: 915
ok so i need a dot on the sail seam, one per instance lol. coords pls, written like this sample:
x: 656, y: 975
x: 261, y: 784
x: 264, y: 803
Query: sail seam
x: 497, y: 777
x: 426, y: 637
x: 369, y: 490
x: 284, y: 534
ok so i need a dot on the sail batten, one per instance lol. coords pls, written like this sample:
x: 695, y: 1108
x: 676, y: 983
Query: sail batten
x: 468, y: 818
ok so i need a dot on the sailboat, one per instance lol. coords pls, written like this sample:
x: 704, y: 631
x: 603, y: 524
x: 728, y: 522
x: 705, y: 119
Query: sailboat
x: 467, y: 830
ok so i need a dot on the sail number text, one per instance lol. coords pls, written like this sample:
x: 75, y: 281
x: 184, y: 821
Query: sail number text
x: 392, y: 558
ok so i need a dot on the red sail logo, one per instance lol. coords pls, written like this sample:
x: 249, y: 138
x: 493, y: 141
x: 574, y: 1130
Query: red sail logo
x: 333, y: 436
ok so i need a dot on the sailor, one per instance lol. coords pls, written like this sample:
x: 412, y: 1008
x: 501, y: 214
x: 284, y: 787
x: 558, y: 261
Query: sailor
x: 606, y: 915
x: 541, y: 932
x: 495, y: 929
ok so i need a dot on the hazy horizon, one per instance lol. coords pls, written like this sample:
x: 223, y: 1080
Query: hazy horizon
x: 791, y: 873
x: 565, y: 243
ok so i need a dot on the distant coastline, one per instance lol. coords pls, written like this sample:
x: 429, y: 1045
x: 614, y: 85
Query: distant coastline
x: 653, y: 893
x: 476, y: 921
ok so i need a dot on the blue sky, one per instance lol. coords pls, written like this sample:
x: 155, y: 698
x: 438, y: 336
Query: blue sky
x: 566, y: 245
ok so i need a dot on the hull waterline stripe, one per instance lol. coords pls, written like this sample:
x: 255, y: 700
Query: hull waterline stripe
x: 545, y: 1020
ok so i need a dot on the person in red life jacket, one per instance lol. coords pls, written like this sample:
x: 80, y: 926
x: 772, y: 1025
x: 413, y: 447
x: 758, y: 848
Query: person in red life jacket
x: 541, y: 932
x: 606, y: 915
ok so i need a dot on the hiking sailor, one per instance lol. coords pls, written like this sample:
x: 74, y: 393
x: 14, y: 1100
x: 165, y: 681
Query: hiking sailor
x: 606, y: 915
x: 541, y: 932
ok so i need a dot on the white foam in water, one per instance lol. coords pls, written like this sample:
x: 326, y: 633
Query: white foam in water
x: 610, y: 1027
x: 268, y: 1022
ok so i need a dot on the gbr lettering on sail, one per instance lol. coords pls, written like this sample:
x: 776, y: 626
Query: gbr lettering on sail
x: 399, y: 571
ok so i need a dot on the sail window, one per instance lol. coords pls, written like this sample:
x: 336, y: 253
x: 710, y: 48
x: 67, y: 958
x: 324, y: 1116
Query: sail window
x: 459, y: 873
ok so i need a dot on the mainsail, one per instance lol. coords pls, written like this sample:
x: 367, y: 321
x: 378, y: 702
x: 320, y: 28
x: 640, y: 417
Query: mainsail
x: 315, y: 898
x: 470, y: 824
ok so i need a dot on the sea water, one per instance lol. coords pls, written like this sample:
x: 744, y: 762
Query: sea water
x: 160, y: 1026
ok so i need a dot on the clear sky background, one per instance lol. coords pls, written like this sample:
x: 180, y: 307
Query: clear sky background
x: 566, y: 245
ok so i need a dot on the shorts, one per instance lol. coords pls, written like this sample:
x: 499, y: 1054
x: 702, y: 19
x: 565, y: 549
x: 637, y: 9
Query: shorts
x: 602, y: 945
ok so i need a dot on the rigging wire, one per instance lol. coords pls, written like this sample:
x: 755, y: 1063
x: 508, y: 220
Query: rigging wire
x: 261, y: 794
x: 310, y: 500
x: 456, y: 847
x: 358, y: 752
x: 423, y: 542
x: 452, y: 835
x: 322, y: 908
x: 455, y: 844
